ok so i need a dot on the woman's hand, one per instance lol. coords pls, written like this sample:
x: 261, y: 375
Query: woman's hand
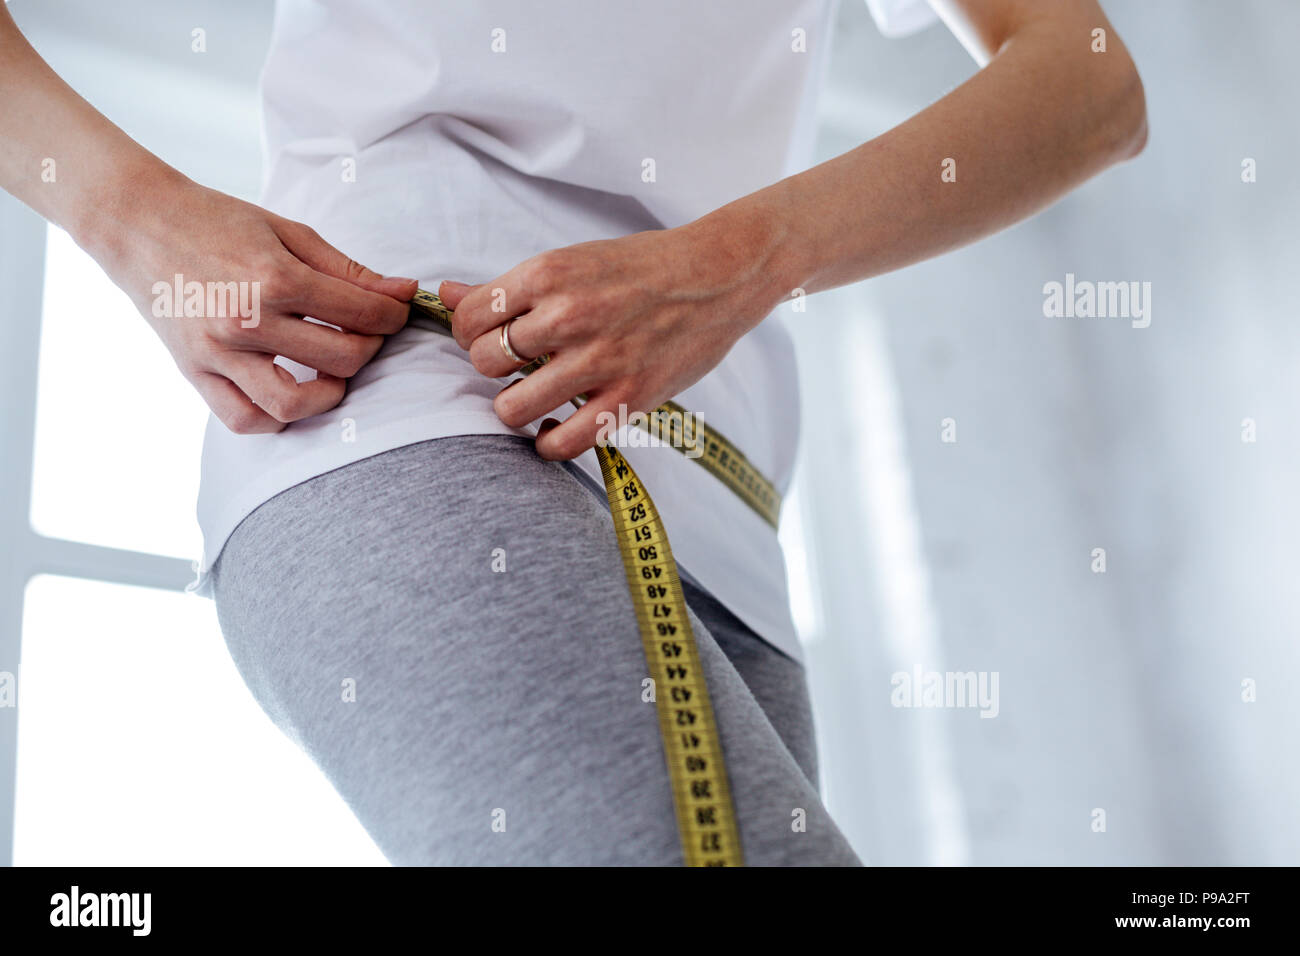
x: 146, y: 224
x: 629, y: 322
x: 637, y: 319
x: 282, y: 271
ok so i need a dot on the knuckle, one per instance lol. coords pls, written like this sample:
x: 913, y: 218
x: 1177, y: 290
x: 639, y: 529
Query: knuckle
x: 346, y: 363
x: 537, y: 273
x: 230, y: 330
x: 568, y: 447
x: 282, y: 282
x: 190, y: 369
x: 546, y: 271
x: 354, y: 357
x: 623, y: 394
x: 331, y: 394
x: 265, y: 266
x: 462, y: 329
x: 510, y: 410
x: 354, y: 270
x: 263, y: 263
x: 211, y: 352
x: 274, y: 408
x: 242, y: 420
x: 215, y: 332
x: 559, y: 319
x: 284, y: 405
x: 294, y: 229
x: 548, y: 323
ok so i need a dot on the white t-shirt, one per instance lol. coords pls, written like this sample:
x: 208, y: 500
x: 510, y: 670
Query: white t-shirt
x: 454, y: 140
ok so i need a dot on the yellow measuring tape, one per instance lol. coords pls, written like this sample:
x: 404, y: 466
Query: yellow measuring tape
x: 706, y: 817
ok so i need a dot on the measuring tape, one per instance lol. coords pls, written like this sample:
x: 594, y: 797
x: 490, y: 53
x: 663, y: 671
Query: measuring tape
x: 720, y: 457
x: 706, y: 817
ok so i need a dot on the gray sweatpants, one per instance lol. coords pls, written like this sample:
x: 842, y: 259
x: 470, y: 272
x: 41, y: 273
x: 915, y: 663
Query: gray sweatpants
x: 473, y: 716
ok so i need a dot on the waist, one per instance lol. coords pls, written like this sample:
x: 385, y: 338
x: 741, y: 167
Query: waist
x: 433, y: 208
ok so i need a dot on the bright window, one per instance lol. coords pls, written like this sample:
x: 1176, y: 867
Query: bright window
x: 118, y: 430
x: 138, y: 744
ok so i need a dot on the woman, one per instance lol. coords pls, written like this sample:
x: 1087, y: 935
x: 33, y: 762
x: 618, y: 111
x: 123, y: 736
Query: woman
x: 414, y: 567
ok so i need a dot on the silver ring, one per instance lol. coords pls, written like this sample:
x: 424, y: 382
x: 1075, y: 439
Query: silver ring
x: 505, y: 346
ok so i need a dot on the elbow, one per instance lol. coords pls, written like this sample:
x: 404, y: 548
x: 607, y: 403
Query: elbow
x: 1138, y: 142
x: 1125, y: 122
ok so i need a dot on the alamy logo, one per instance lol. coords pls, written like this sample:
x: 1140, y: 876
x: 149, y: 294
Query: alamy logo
x: 1099, y: 300
x: 102, y: 909
x: 676, y: 429
x: 208, y: 300
x: 946, y: 689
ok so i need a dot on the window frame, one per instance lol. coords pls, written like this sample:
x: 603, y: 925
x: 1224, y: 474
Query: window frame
x: 25, y: 553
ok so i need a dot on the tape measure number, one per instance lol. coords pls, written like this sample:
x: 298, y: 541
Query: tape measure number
x: 706, y: 817
x: 697, y: 770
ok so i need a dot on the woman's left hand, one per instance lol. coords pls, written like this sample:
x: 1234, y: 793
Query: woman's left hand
x: 629, y: 322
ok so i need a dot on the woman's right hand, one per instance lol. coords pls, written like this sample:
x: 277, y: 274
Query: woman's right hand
x: 177, y: 227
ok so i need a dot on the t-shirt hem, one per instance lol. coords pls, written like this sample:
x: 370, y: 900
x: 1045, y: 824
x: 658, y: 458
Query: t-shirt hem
x: 305, y: 467
x: 218, y: 527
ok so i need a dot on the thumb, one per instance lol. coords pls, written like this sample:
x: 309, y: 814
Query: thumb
x: 310, y: 248
x: 453, y: 293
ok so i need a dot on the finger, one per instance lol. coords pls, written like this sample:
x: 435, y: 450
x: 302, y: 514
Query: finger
x: 316, y: 346
x: 341, y: 303
x: 304, y: 242
x: 486, y: 306
x: 275, y: 390
x: 232, y: 407
x: 488, y: 355
x: 452, y: 292
x: 579, y: 431
x: 540, y: 330
x: 545, y: 390
x: 537, y: 332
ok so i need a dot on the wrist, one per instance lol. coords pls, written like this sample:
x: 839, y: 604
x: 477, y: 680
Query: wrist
x: 751, y: 243
x: 131, y: 199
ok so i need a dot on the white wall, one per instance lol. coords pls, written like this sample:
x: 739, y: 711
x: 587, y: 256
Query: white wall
x: 135, y: 61
x: 1119, y: 691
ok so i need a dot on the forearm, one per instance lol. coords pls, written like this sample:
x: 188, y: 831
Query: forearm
x: 1046, y: 114
x: 98, y: 176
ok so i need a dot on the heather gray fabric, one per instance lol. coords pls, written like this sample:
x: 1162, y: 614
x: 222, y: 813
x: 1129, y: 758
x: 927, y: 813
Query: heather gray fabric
x: 488, y: 699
